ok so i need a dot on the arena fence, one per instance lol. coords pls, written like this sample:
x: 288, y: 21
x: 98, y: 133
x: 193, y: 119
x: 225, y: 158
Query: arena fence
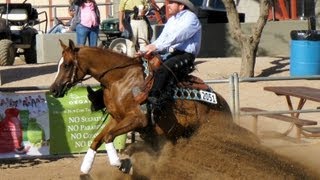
x: 81, y: 142
x: 234, y: 90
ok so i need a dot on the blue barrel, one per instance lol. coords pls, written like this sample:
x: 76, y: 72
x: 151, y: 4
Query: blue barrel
x: 305, y: 53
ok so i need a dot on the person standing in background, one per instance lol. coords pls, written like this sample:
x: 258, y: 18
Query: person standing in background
x: 61, y: 27
x: 86, y: 22
x: 71, y: 9
x: 133, y: 24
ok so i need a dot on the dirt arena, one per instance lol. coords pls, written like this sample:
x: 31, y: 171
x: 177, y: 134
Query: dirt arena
x: 222, y: 149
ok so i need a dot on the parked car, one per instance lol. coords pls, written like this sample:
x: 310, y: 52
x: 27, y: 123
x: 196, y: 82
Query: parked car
x: 17, y: 32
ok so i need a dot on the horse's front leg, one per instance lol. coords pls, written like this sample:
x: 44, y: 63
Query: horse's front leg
x: 96, y: 143
x: 130, y: 122
x: 110, y: 131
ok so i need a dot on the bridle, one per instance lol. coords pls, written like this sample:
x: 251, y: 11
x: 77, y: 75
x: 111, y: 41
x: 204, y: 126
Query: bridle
x: 77, y: 68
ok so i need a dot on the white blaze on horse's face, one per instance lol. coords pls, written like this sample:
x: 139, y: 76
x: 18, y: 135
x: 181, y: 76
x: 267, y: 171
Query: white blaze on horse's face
x: 60, y: 63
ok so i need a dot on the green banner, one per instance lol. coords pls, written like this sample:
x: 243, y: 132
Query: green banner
x: 72, y: 124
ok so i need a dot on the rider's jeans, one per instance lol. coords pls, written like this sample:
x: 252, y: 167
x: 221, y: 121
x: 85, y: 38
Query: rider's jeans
x: 175, y: 63
x: 84, y: 33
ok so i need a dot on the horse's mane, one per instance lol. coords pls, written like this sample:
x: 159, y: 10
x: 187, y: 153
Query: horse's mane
x: 112, y: 53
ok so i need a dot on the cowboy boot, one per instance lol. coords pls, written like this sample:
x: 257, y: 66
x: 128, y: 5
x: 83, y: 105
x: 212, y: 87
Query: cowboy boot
x: 154, y: 97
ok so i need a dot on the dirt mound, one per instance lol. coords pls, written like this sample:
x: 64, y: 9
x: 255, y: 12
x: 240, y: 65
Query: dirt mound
x: 220, y: 149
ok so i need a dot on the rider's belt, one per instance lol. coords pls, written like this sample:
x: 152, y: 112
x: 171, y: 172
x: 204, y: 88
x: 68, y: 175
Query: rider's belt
x: 171, y: 49
x: 175, y: 51
x: 138, y: 18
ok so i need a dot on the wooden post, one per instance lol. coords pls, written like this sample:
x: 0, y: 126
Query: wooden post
x: 157, y: 11
x: 293, y: 6
x: 50, y: 13
x: 107, y: 8
x: 298, y: 135
x: 283, y: 9
x: 167, y: 15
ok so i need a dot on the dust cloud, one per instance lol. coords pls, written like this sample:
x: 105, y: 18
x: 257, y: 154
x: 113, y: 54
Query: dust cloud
x: 220, y: 149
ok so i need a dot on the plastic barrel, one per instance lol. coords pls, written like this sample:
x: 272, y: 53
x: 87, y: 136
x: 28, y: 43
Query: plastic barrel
x: 305, y: 53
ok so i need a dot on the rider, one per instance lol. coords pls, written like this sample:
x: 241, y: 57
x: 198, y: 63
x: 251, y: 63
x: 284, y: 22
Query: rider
x: 181, y: 38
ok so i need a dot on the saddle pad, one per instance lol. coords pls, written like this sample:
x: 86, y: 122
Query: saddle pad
x: 195, y: 90
x: 194, y: 94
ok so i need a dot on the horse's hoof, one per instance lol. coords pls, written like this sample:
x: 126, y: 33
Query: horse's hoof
x: 126, y: 166
x: 22, y: 150
x: 85, y: 177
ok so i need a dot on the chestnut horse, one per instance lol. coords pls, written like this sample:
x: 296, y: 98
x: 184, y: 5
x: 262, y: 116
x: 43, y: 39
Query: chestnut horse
x: 118, y: 75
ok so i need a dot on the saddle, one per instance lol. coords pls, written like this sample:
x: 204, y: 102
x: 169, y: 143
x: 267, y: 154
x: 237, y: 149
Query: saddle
x: 154, y: 62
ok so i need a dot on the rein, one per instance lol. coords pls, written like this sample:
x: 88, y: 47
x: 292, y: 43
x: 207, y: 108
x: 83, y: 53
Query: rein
x: 117, y: 67
x: 76, y: 67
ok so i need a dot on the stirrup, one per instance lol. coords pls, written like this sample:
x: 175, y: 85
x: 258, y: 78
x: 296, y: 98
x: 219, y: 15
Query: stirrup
x: 153, y: 100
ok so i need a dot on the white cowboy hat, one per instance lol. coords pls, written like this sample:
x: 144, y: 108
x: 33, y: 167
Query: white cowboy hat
x: 186, y: 3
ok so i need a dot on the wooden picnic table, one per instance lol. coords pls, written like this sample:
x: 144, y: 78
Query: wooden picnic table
x: 304, y: 94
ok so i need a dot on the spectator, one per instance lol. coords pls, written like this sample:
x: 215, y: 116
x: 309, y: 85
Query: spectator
x: 86, y: 22
x: 133, y: 23
x: 61, y: 27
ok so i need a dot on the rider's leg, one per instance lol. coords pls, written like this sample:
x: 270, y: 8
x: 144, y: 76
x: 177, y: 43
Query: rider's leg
x: 161, y: 77
x: 169, y: 69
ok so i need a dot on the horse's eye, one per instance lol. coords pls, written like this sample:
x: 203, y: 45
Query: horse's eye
x: 66, y: 66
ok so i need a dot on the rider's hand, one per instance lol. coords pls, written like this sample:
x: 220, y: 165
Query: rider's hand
x: 140, y: 53
x: 149, y: 49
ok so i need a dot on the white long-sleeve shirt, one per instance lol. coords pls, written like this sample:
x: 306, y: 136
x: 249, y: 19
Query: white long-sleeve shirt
x: 181, y: 32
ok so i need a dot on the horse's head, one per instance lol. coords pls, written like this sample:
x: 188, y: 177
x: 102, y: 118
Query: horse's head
x: 68, y: 73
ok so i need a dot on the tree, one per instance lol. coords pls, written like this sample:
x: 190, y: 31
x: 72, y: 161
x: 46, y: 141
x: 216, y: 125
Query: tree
x: 248, y: 43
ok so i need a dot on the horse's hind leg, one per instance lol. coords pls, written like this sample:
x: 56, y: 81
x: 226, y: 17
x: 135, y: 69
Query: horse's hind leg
x: 96, y: 143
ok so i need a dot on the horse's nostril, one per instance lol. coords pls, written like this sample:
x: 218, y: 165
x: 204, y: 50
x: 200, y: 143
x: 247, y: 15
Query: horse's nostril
x: 52, y: 91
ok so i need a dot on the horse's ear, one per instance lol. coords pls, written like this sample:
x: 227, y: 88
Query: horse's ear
x: 72, y: 46
x: 62, y: 44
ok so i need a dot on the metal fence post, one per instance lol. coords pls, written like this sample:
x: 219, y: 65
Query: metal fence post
x: 232, y: 105
x: 236, y: 97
